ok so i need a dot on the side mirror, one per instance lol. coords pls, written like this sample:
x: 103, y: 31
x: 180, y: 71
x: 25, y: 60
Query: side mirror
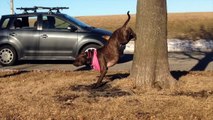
x: 72, y: 28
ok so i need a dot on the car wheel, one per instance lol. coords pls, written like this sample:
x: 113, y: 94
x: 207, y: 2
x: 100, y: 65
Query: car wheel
x: 8, y: 55
x: 90, y: 47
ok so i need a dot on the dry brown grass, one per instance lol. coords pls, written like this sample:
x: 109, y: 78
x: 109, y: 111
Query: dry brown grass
x: 108, y: 22
x: 191, y: 25
x: 68, y: 95
x: 180, y: 25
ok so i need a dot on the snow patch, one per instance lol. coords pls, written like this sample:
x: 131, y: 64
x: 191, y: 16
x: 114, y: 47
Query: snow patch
x: 176, y: 45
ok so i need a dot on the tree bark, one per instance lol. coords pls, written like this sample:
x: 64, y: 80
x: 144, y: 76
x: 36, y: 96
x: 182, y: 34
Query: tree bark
x: 150, y: 63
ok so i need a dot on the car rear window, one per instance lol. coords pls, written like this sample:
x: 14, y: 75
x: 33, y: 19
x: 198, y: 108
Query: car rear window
x: 5, y: 23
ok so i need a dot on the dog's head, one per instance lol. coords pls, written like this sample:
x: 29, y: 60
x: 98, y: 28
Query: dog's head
x: 125, y: 35
x: 81, y: 59
x: 85, y: 58
x: 129, y: 34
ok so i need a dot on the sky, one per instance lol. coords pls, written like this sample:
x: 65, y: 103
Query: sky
x: 106, y: 7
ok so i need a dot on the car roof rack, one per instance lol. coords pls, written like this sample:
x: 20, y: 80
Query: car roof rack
x: 35, y: 8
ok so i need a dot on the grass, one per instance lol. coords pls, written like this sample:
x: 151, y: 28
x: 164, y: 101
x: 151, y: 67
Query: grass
x: 29, y: 95
x: 53, y: 95
x: 180, y: 25
x: 191, y: 26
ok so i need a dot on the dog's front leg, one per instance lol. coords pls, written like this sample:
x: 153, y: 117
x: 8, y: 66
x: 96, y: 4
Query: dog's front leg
x: 103, y: 71
x: 102, y: 74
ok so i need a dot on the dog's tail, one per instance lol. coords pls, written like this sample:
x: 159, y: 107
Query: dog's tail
x: 127, y: 19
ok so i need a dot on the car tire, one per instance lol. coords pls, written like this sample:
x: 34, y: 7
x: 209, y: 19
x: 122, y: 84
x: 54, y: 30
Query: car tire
x: 90, y: 47
x: 8, y: 55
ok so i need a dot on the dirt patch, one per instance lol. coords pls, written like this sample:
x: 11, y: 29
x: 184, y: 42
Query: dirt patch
x: 69, y: 95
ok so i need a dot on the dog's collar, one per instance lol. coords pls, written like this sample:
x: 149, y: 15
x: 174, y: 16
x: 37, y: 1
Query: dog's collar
x: 95, y: 63
x: 92, y: 59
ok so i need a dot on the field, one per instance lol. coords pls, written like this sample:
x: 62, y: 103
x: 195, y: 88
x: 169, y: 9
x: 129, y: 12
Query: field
x: 67, y: 95
x: 180, y: 25
x: 54, y: 95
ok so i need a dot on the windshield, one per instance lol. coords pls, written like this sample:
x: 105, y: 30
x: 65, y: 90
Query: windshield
x: 77, y: 22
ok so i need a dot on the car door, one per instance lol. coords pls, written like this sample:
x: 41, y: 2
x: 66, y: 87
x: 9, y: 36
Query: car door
x: 56, y: 40
x: 24, y: 32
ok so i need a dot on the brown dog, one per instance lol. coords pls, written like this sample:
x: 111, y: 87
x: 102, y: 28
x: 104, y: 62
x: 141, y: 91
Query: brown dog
x: 109, y: 54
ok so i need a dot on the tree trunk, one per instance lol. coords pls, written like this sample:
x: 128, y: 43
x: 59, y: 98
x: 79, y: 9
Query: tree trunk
x: 150, y: 63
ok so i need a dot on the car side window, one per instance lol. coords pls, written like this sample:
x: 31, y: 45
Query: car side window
x: 17, y: 23
x: 33, y: 22
x: 28, y: 22
x: 50, y: 22
x: 60, y: 24
x: 5, y: 23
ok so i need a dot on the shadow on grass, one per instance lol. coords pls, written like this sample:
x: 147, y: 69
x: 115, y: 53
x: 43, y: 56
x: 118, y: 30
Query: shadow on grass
x: 106, y: 90
x: 178, y: 74
x: 117, y: 76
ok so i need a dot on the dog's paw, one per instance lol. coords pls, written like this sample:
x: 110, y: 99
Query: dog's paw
x: 98, y: 85
x: 95, y: 86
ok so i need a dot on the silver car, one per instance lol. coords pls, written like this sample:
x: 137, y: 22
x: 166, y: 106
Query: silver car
x: 46, y: 36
